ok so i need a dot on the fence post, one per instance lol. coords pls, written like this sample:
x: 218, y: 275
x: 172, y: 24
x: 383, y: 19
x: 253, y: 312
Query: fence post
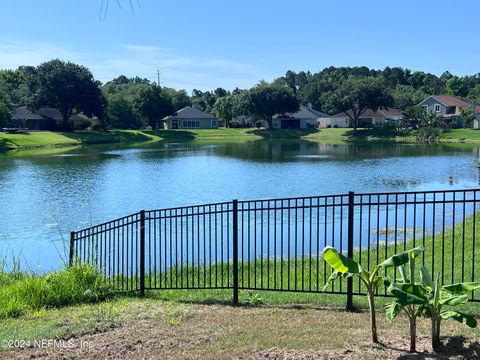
x: 351, y: 204
x: 71, y: 254
x: 235, y: 252
x: 142, y: 253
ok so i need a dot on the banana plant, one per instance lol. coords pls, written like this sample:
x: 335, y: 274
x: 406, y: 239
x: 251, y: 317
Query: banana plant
x: 410, y: 298
x: 449, y: 295
x: 346, y: 267
x: 429, y: 297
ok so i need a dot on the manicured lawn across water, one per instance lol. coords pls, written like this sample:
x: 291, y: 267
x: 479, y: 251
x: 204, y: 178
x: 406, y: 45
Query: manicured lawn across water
x: 46, y: 139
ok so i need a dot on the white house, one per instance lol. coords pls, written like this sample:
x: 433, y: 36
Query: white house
x: 382, y: 116
x: 305, y: 118
x: 190, y: 118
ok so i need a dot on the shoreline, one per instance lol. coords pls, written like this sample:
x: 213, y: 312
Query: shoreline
x: 41, y: 142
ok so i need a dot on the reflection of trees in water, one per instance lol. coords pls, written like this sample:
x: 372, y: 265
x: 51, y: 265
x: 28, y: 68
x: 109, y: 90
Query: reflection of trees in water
x: 267, y: 150
x: 301, y: 150
x: 380, y: 150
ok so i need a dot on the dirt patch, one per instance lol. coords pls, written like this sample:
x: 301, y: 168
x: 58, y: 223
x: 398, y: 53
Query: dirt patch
x: 162, y: 331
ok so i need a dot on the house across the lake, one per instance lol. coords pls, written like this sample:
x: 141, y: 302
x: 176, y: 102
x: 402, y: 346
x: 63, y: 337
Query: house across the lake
x: 46, y: 118
x: 190, y: 118
x: 305, y: 118
x: 380, y: 117
x: 449, y: 108
x: 43, y: 119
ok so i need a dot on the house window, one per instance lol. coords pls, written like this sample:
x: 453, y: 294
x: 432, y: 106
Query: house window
x: 191, y: 124
x: 437, y: 107
x: 425, y: 107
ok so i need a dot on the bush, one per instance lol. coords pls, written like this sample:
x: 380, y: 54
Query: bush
x: 428, y: 134
x: 21, y: 293
x: 234, y: 124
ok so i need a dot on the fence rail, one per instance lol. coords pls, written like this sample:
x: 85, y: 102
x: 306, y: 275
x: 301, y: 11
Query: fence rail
x: 276, y: 244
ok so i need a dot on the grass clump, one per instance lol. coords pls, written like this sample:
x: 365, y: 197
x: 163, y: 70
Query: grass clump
x: 21, y: 293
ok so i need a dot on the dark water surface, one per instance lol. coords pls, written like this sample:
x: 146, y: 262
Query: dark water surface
x: 43, y: 197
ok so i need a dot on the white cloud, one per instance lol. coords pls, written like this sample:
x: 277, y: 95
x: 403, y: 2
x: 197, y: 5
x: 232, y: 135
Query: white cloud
x: 13, y: 55
x: 177, y: 70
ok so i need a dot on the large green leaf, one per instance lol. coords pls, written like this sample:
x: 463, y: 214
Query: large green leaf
x: 425, y: 277
x: 466, y: 319
x: 462, y: 288
x: 448, y: 299
x: 392, y: 310
x: 341, y: 263
x: 402, y: 258
x: 408, y: 294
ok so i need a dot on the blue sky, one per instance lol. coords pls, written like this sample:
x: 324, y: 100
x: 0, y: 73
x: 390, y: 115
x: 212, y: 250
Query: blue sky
x: 205, y: 44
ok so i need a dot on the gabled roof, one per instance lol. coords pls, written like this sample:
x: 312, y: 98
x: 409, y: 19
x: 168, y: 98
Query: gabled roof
x: 303, y: 113
x: 51, y: 113
x: 22, y: 113
x: 452, y: 101
x: 369, y: 113
x: 189, y: 112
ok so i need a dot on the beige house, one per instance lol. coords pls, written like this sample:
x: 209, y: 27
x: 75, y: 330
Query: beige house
x: 369, y: 118
x: 190, y: 118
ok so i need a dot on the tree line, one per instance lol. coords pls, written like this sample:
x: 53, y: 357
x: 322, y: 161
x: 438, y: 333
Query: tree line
x: 129, y: 103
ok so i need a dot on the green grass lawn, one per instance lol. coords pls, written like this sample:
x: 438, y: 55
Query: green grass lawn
x: 461, y: 135
x: 48, y: 139
x: 37, y: 140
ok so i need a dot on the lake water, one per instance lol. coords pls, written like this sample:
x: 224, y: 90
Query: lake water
x: 44, y: 197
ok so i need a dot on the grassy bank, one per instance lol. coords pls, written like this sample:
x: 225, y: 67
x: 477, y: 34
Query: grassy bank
x: 41, y: 140
x: 47, y: 139
x: 22, y: 293
x: 451, y: 252
x: 201, y: 324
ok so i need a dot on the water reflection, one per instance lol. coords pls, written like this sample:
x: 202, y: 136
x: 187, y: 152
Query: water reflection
x: 44, y: 197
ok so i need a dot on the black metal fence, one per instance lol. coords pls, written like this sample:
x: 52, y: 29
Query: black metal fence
x: 276, y: 244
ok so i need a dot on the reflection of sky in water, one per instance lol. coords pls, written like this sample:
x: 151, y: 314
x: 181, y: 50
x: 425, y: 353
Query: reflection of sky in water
x: 45, y: 197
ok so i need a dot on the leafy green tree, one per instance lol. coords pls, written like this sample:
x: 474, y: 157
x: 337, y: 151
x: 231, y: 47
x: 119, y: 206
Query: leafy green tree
x: 224, y: 109
x: 395, y: 76
x: 154, y: 104
x: 468, y: 116
x: 180, y: 98
x: 405, y: 96
x: 4, y: 112
x: 356, y: 95
x: 474, y: 95
x: 122, y: 113
x: 266, y: 100
x: 430, y: 126
x: 457, y: 86
x: 203, y: 100
x: 68, y: 87
x: 413, y: 114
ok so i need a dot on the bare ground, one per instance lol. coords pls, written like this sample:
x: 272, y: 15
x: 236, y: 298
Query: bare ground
x: 162, y: 330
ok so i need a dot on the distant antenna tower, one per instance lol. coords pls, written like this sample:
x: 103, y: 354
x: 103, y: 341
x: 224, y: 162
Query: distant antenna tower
x: 158, y: 77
